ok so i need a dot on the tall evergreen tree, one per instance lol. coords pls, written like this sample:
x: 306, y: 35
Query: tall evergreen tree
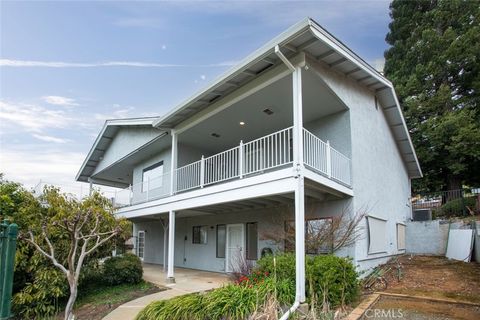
x: 434, y: 63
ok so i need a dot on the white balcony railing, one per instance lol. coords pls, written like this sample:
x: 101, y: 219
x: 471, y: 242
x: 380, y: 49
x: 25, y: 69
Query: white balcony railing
x: 254, y: 157
x: 320, y: 156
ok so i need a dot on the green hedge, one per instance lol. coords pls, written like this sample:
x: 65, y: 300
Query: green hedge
x: 122, y: 269
x: 328, y: 275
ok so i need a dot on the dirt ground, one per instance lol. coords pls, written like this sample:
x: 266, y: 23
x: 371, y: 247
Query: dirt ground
x: 415, y: 309
x: 436, y: 277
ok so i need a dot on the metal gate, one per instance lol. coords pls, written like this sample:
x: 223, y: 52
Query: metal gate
x: 8, y: 244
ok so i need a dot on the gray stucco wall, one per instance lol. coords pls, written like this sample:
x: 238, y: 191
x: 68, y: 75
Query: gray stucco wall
x: 125, y: 141
x: 336, y: 129
x: 380, y: 181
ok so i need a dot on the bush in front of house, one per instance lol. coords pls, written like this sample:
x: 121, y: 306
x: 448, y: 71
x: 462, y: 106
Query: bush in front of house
x: 122, y: 269
x: 330, y: 279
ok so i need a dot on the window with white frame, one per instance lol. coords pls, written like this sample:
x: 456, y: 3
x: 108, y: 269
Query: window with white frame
x: 152, y: 177
x: 401, y: 236
x: 199, y: 234
x: 377, y: 235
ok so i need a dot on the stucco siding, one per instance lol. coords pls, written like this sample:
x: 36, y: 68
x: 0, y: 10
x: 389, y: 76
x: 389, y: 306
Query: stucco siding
x: 125, y: 141
x: 380, y: 181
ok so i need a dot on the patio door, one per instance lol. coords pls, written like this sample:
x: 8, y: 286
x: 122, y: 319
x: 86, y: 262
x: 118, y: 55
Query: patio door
x: 141, y: 244
x: 235, y: 249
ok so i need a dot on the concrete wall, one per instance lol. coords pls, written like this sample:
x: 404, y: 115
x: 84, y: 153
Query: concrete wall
x: 426, y: 237
x: 336, y: 129
x: 380, y: 181
x: 125, y: 141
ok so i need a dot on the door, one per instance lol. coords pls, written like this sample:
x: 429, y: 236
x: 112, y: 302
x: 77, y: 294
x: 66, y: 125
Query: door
x: 141, y: 244
x: 235, y: 249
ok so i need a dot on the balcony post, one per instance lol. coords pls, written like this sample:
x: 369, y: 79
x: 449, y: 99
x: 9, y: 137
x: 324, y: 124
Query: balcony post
x: 171, y: 247
x: 202, y: 171
x: 300, y: 187
x: 130, y: 194
x: 329, y: 159
x: 240, y: 159
x: 173, y: 165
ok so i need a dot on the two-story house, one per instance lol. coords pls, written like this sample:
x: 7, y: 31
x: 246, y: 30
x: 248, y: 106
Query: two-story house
x: 301, y: 130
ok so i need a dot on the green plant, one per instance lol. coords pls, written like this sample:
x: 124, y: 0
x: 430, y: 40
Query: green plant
x: 123, y: 269
x: 331, y: 279
x: 455, y: 207
x: 284, y: 267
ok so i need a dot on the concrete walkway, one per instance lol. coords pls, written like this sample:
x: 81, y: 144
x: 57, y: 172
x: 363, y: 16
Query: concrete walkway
x: 187, y: 281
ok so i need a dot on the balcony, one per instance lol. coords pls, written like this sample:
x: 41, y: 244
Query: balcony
x: 265, y: 154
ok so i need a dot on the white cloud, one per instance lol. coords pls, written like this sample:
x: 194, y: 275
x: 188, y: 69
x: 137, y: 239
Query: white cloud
x: 60, y: 101
x: 378, y: 64
x: 61, y: 64
x: 32, y: 118
x: 118, y: 112
x: 48, y: 138
x: 30, y: 164
x: 139, y: 23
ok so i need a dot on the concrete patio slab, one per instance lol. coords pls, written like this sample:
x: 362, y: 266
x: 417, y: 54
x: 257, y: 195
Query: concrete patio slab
x: 187, y: 281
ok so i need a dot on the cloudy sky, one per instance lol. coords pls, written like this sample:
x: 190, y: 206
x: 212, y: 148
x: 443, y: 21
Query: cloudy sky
x: 67, y: 66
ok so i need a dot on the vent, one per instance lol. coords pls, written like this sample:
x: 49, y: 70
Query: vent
x: 268, y: 111
x: 216, y: 135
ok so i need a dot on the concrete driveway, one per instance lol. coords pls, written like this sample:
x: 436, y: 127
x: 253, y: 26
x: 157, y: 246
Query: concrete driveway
x: 187, y: 281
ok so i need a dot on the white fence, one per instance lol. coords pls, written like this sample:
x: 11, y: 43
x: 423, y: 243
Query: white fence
x: 320, y: 156
x: 256, y: 156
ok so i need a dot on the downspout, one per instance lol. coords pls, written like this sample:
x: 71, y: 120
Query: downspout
x: 296, y: 303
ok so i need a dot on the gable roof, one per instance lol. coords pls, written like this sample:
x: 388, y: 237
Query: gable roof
x: 309, y: 37
x: 103, y: 140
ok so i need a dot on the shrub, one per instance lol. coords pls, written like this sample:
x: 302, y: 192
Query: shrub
x: 329, y: 278
x: 332, y: 279
x: 284, y: 265
x: 123, y: 269
x: 455, y: 207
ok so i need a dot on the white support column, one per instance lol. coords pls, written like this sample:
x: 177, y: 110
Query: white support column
x: 202, y: 171
x: 165, y: 245
x: 329, y: 160
x: 171, y: 246
x: 90, y: 189
x: 240, y: 160
x: 173, y: 164
x: 300, y: 187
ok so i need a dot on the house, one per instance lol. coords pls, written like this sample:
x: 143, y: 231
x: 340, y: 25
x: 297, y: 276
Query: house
x: 302, y: 125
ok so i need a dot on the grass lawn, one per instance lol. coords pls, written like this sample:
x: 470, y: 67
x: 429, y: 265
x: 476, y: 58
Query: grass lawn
x: 98, y: 300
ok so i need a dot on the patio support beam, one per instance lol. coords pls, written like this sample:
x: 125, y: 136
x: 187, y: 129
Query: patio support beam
x: 171, y: 246
x: 173, y: 164
x: 300, y: 185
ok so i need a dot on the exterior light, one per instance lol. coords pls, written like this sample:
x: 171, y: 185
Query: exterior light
x: 242, y: 123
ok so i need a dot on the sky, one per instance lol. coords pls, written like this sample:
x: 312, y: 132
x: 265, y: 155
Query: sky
x: 67, y: 66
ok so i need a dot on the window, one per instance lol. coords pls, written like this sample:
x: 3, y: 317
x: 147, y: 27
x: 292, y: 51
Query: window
x: 221, y: 240
x: 141, y: 244
x: 152, y: 177
x: 318, y: 236
x: 377, y: 236
x: 401, y: 236
x: 252, y: 241
x: 200, y: 234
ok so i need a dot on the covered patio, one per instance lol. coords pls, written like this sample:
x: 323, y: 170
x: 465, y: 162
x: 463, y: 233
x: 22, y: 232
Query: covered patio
x: 188, y: 280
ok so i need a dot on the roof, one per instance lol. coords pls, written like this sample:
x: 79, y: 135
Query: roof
x: 305, y: 36
x: 309, y: 37
x: 103, y: 140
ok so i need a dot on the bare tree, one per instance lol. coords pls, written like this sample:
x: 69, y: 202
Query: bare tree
x: 323, y: 234
x: 82, y: 227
